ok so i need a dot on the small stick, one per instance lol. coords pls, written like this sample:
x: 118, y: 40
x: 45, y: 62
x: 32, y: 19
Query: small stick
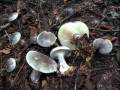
x: 17, y: 74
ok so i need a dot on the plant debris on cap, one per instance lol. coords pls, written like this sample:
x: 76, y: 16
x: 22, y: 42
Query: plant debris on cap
x: 41, y: 62
x: 104, y: 45
x: 13, y: 16
x: 14, y: 38
x: 10, y: 64
x: 46, y: 39
x: 70, y: 31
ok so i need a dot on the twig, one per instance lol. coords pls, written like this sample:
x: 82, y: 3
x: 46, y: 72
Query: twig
x: 100, y: 21
x: 17, y: 74
x: 104, y: 30
x: 61, y: 83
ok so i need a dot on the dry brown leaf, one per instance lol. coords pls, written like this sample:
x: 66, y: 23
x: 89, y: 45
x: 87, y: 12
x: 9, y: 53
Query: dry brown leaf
x: 44, y: 82
x: 33, y: 30
x: 5, y: 51
x: 55, y: 11
x: 107, y: 27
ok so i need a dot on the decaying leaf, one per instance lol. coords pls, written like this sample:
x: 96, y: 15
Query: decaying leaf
x: 107, y: 27
x: 33, y: 30
x: 5, y: 51
x: 118, y: 55
x: 44, y: 82
x: 84, y: 48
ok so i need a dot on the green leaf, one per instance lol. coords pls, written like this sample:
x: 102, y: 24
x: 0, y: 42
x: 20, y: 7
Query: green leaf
x: 118, y: 55
x: 113, y: 14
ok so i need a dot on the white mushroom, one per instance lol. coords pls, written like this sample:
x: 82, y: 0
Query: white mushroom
x: 13, y: 16
x: 60, y: 53
x: 46, y: 39
x: 70, y: 31
x: 35, y: 76
x: 14, y: 38
x: 10, y: 64
x: 104, y: 45
x: 41, y: 62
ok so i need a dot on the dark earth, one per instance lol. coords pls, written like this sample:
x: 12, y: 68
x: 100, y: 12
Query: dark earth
x: 102, y: 72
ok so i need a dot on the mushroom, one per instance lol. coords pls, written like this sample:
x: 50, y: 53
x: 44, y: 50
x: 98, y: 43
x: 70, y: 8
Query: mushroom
x: 46, y: 39
x: 33, y: 38
x: 71, y: 31
x: 10, y: 64
x: 60, y: 53
x: 104, y: 45
x: 13, y: 16
x: 35, y: 76
x: 41, y: 62
x: 14, y: 38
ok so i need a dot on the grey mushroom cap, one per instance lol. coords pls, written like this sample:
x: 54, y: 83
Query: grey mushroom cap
x: 10, y: 64
x: 46, y: 39
x: 61, y: 49
x: 14, y: 38
x: 41, y: 62
x: 104, y: 45
x: 13, y: 16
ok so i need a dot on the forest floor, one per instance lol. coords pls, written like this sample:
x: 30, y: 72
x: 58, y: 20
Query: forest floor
x: 103, y: 20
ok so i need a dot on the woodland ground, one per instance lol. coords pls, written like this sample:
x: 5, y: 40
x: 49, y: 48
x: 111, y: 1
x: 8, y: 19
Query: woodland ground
x: 101, y: 16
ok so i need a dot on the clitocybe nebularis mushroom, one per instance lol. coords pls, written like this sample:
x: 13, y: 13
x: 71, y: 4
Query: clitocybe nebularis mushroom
x: 71, y: 31
x: 13, y: 16
x: 61, y: 53
x: 46, y: 39
x: 104, y: 45
x: 10, y: 64
x: 35, y: 76
x: 41, y: 62
x: 14, y: 38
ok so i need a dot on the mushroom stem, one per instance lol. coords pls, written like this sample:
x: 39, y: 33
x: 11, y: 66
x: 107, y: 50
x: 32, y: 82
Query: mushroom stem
x: 63, y: 65
x: 76, y: 36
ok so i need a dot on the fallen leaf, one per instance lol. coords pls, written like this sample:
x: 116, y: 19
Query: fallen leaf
x: 44, y: 82
x: 33, y: 30
x: 5, y: 51
x: 107, y: 27
x: 55, y: 11
x: 118, y: 55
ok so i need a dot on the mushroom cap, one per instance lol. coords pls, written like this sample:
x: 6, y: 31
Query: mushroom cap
x: 66, y: 31
x: 61, y: 49
x: 41, y: 62
x: 11, y: 64
x: 104, y: 45
x: 13, y: 16
x: 46, y: 39
x: 14, y: 38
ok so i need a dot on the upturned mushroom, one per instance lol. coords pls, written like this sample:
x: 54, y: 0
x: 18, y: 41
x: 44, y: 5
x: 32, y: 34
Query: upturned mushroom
x: 14, y: 38
x: 71, y: 31
x: 10, y: 64
x: 61, y: 53
x: 104, y: 45
x: 46, y: 39
x: 35, y: 76
x: 41, y: 62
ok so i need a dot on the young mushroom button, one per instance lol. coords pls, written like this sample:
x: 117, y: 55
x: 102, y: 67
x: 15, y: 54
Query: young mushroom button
x: 71, y: 31
x: 41, y: 62
x: 46, y: 39
x: 104, y: 45
x: 60, y: 53
x: 10, y: 64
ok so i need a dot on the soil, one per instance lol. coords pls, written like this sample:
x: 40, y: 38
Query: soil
x: 101, y: 72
